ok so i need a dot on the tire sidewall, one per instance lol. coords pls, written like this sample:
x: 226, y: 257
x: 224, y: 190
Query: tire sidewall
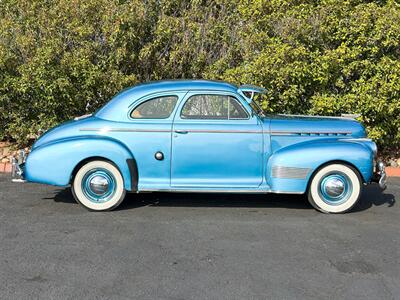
x: 79, y: 195
x: 316, y: 199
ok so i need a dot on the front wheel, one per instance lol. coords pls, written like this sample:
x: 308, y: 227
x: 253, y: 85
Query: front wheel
x: 99, y: 186
x: 335, y: 188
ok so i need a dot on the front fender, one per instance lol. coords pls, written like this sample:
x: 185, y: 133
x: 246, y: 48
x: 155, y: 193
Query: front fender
x: 290, y: 168
x: 54, y: 163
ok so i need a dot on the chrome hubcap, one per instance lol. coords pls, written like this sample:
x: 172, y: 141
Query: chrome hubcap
x: 99, y: 185
x: 335, y: 188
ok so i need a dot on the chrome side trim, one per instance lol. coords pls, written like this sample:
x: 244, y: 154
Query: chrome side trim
x: 290, y: 172
x: 238, y: 191
x: 357, y: 140
x: 312, y: 133
x: 298, y: 133
x: 287, y: 192
x: 167, y: 130
x: 342, y: 117
x: 175, y: 190
x: 124, y: 130
x: 222, y: 131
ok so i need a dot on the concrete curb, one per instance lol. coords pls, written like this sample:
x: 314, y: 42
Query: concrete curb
x: 390, y: 171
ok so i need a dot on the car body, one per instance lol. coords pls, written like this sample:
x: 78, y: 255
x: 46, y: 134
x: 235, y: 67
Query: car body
x: 200, y: 136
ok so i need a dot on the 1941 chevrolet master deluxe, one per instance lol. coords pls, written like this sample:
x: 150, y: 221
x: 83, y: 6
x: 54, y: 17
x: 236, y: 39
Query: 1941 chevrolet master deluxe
x: 203, y: 136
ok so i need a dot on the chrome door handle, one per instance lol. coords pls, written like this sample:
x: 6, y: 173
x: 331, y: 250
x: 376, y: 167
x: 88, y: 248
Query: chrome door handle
x: 181, y: 131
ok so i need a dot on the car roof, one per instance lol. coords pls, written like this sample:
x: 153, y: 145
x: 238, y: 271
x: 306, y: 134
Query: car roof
x: 165, y: 85
x: 120, y: 102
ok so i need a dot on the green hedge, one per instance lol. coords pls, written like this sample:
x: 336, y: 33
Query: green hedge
x: 63, y: 58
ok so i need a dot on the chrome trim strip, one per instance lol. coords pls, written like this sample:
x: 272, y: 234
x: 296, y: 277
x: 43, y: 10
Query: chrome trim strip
x: 298, y: 133
x: 243, y: 191
x: 342, y: 117
x: 222, y: 131
x: 286, y: 192
x: 308, y: 133
x: 183, y: 190
x: 167, y: 130
x: 290, y: 172
x: 124, y: 130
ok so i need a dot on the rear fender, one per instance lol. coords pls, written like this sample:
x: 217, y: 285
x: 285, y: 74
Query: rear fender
x: 54, y: 163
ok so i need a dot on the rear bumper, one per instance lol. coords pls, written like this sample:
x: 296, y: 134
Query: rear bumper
x: 380, y: 176
x: 18, y: 168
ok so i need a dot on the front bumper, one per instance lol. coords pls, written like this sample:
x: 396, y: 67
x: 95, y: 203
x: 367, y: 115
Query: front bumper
x: 380, y: 175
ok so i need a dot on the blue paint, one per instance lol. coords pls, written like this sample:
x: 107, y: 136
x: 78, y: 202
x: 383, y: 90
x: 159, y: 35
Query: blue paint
x: 213, y: 155
x: 224, y: 159
x: 54, y: 162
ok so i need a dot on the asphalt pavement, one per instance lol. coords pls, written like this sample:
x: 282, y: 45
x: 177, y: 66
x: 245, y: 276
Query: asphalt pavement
x: 197, y: 246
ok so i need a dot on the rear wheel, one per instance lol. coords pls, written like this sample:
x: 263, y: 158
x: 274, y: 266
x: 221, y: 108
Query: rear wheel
x: 335, y: 188
x: 99, y: 186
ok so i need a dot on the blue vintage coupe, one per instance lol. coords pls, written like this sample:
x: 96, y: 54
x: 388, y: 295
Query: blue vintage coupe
x: 203, y: 136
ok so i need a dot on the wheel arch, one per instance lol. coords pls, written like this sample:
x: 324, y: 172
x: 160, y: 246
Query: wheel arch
x: 132, y: 166
x: 58, y: 162
x: 87, y: 160
x: 331, y: 162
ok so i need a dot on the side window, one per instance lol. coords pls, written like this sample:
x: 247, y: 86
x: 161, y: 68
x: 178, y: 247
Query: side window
x: 214, y: 107
x: 156, y: 108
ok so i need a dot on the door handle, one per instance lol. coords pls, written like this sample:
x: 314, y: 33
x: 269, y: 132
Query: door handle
x: 182, y: 131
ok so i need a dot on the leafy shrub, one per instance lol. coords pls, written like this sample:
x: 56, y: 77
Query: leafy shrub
x: 63, y: 58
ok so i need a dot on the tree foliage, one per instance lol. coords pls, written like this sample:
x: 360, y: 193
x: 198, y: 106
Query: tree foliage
x: 63, y: 58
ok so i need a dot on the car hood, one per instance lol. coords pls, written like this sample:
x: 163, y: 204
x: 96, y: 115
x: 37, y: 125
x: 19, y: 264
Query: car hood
x: 315, y: 125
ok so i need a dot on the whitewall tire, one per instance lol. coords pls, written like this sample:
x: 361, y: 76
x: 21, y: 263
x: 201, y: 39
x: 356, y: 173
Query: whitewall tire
x: 335, y: 188
x: 98, y: 185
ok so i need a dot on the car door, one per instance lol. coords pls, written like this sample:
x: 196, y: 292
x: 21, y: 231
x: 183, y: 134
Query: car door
x: 148, y: 135
x: 216, y: 142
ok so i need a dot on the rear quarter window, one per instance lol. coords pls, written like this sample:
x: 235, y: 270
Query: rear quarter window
x: 155, y: 108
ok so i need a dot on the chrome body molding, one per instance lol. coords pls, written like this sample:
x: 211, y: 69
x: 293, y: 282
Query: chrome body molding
x: 123, y: 130
x: 341, y: 117
x: 290, y: 172
x: 223, y: 131
x: 238, y: 191
x: 288, y: 133
x: 311, y: 133
x: 167, y: 130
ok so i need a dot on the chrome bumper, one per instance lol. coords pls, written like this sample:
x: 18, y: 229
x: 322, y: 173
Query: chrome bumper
x: 380, y: 175
x: 17, y: 171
